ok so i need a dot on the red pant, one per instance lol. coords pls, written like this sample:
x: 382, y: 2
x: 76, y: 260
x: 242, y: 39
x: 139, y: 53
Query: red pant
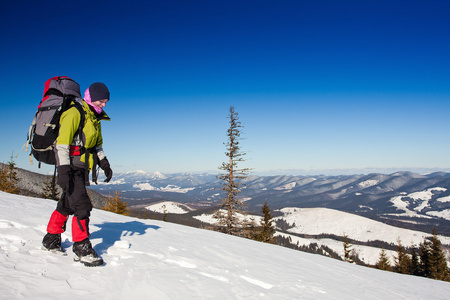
x: 57, y: 224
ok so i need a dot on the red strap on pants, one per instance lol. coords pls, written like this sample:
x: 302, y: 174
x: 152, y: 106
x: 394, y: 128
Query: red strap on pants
x: 80, y: 229
x: 57, y: 223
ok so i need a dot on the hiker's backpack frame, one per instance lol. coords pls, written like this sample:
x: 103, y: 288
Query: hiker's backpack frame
x: 60, y: 94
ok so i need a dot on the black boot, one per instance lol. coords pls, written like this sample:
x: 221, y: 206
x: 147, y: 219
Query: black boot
x: 52, y: 242
x: 86, y: 254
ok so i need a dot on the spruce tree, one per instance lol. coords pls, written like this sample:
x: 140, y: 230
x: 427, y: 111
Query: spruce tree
x: 267, y: 229
x: 437, y: 261
x: 116, y: 205
x: 232, y: 178
x: 414, y: 267
x: 8, y: 177
x: 402, y: 261
x: 383, y: 261
x: 425, y: 254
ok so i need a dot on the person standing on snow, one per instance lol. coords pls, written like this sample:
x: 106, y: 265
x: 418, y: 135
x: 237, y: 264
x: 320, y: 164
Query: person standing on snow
x: 75, y: 158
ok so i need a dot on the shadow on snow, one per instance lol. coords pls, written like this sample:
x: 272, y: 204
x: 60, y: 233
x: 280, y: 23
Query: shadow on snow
x: 110, y: 233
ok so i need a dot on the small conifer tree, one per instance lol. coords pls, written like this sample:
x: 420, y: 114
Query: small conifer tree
x: 414, y: 267
x: 437, y: 261
x: 8, y: 177
x: 402, y: 261
x: 116, y: 205
x: 267, y: 228
x: 383, y: 261
x: 425, y: 254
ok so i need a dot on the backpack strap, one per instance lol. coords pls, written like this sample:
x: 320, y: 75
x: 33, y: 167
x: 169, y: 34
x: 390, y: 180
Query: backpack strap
x: 82, y: 119
x: 87, y: 152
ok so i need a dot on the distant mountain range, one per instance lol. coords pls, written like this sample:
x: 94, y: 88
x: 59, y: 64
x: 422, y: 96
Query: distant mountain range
x: 401, y: 198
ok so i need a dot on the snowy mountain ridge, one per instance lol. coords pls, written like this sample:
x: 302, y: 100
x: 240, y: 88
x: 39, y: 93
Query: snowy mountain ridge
x: 160, y: 260
x: 395, y: 196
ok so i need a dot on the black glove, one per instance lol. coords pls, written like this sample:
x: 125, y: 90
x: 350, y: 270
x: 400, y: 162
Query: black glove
x: 104, y: 164
x: 82, y: 214
x: 64, y: 177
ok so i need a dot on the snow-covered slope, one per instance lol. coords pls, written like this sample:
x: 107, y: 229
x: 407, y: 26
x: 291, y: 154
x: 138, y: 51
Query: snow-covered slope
x: 148, y: 259
x: 315, y: 221
x: 324, y: 221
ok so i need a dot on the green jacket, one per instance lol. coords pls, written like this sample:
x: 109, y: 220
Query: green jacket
x: 68, y: 140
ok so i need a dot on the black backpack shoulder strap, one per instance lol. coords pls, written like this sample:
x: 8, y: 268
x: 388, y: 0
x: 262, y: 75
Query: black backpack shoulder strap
x: 87, y: 152
x: 82, y: 115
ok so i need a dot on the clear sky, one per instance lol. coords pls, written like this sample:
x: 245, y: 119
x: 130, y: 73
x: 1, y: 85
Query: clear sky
x: 317, y: 84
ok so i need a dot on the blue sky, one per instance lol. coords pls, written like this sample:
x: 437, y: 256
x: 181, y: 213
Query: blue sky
x: 318, y: 85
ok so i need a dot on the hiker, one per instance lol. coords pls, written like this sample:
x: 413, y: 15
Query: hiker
x: 76, y: 155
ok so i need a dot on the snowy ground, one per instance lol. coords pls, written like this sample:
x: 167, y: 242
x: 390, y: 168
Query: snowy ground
x: 148, y: 259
